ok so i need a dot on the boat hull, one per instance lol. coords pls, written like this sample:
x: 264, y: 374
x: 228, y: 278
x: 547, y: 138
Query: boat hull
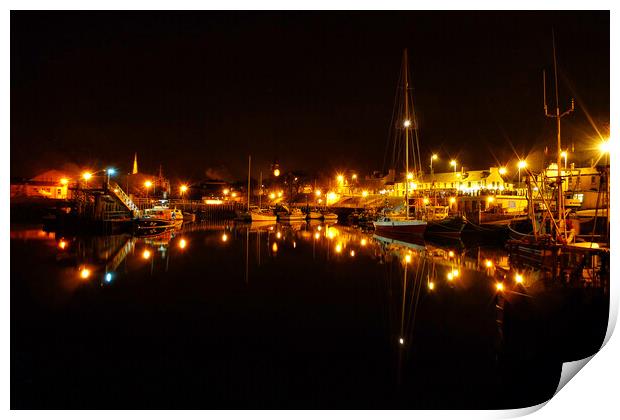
x: 400, y: 228
x: 263, y: 217
x: 451, y: 227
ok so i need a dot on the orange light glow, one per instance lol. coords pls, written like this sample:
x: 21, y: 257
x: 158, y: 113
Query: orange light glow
x: 339, y: 248
x: 499, y: 286
x: 224, y: 237
x: 182, y: 243
x: 146, y: 254
x: 64, y: 181
x: 274, y: 247
x: 488, y: 263
x: 317, y: 235
x: 352, y: 253
x: 363, y: 242
x: 62, y: 244
x: 519, y: 278
x: 278, y: 235
x: 84, y: 273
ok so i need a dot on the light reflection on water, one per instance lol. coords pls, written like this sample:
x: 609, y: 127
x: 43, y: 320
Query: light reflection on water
x: 426, y: 305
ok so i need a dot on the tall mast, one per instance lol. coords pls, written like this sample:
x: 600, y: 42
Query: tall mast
x: 249, y: 167
x: 558, y: 116
x: 260, y: 188
x: 406, y: 124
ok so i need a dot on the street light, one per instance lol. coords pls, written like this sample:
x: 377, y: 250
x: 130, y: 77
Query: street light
x: 453, y: 164
x: 502, y: 171
x: 564, y: 154
x: 317, y: 193
x: 604, y: 146
x: 183, y: 189
x: 148, y: 185
x: 276, y: 172
x: 340, y: 179
x: 521, y: 165
x: 407, y: 123
x: 433, y: 157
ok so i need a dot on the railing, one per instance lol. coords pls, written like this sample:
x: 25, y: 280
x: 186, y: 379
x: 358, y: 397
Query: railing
x: 118, y: 192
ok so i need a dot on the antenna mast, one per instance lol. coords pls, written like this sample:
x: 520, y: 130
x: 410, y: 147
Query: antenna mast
x: 558, y: 116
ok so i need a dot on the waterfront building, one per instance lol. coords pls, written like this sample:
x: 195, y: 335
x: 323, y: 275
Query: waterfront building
x: 475, y: 182
x: 52, y: 184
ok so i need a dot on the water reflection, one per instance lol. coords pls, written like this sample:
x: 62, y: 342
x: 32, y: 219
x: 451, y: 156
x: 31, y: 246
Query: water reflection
x: 444, y: 266
x: 411, y: 310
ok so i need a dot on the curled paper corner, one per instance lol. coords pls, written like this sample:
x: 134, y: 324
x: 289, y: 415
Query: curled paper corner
x: 518, y: 412
x: 569, y: 370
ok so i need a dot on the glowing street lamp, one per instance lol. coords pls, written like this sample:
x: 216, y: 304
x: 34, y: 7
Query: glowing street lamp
x: 317, y: 193
x: 503, y: 171
x: 183, y: 189
x: 604, y: 147
x: 148, y: 185
x: 340, y: 179
x: 64, y: 181
x: 453, y: 164
x: 410, y: 176
x: 521, y: 165
x: 433, y: 157
x: 276, y: 172
x: 364, y: 193
x: 407, y: 123
x: 354, y: 177
x: 564, y: 155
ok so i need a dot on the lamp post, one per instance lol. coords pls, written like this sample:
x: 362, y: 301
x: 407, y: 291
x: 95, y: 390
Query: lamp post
x: 147, y: 184
x: 183, y: 189
x: 453, y: 164
x: 109, y: 172
x: 564, y: 154
x: 433, y: 157
x: 521, y: 165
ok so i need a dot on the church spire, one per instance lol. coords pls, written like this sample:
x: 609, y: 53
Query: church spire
x: 135, y: 164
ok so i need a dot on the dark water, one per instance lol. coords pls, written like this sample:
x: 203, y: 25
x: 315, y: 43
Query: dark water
x: 304, y: 316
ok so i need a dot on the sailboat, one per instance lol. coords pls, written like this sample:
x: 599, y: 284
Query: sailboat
x: 398, y: 225
x: 255, y: 214
x: 259, y: 214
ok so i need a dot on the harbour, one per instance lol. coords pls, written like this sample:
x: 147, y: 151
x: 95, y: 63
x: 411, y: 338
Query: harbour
x: 291, y: 211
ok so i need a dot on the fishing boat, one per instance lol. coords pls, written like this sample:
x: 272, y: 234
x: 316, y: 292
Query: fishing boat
x: 157, y: 220
x: 404, y: 226
x: 449, y: 227
x: 329, y: 217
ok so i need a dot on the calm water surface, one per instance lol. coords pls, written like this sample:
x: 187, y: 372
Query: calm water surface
x: 281, y: 316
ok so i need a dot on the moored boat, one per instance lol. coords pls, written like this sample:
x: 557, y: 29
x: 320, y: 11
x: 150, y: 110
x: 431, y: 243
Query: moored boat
x: 450, y: 227
x: 158, y: 219
x: 293, y: 214
x: 402, y: 228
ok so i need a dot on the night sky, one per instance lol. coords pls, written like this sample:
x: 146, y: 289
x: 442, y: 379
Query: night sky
x: 198, y: 91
